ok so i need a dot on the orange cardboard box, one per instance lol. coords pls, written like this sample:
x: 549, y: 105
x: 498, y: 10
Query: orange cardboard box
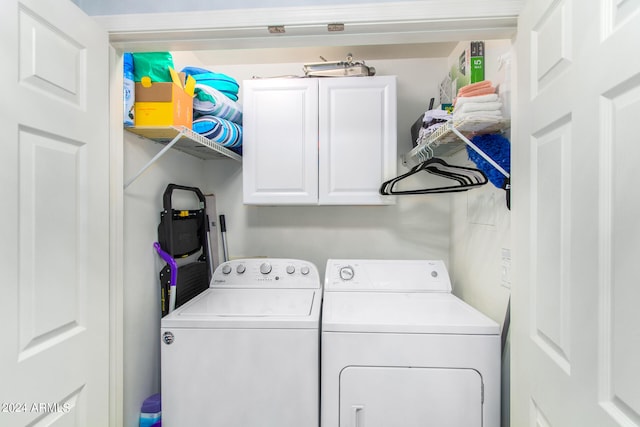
x: 165, y: 103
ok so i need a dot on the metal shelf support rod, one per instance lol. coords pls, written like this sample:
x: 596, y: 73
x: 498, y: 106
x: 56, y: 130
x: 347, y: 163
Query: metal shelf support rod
x: 479, y: 151
x: 152, y: 161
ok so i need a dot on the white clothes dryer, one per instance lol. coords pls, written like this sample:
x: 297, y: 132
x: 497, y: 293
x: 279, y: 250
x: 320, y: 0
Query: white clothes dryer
x: 246, y: 351
x: 399, y: 349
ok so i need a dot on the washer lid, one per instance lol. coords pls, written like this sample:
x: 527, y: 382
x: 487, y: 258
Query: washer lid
x: 427, y: 313
x: 248, y: 308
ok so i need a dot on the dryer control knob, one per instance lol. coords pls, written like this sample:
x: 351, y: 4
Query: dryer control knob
x: 347, y: 273
x: 241, y: 269
x: 304, y: 270
x: 226, y: 269
x: 291, y: 269
x: 265, y: 268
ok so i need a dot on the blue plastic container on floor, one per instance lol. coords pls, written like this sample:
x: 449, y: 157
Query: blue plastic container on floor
x: 151, y: 412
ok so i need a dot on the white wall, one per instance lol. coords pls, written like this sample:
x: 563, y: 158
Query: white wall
x: 480, y: 224
x: 467, y: 230
x: 416, y: 227
x: 142, y: 206
x: 480, y: 231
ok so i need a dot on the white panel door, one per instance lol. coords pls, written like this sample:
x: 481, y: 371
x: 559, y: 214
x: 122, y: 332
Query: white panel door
x: 280, y: 148
x: 357, y: 128
x: 54, y: 306
x: 575, y: 337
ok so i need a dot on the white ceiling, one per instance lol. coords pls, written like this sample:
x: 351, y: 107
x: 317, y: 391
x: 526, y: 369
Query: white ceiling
x: 329, y: 53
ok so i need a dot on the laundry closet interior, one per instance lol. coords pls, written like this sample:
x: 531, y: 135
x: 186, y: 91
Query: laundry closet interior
x: 469, y: 231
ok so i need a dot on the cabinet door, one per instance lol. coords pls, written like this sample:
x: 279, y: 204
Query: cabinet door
x: 280, y: 147
x: 357, y: 128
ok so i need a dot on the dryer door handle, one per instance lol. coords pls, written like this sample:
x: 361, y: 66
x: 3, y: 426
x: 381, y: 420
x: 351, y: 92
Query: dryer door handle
x: 357, y: 416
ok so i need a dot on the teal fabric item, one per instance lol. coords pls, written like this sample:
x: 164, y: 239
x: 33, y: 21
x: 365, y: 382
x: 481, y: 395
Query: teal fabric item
x: 221, y: 82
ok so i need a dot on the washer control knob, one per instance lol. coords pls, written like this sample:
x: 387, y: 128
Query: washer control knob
x: 291, y: 269
x: 304, y: 270
x: 241, y: 269
x: 434, y: 274
x: 347, y: 273
x: 226, y: 269
x: 265, y: 268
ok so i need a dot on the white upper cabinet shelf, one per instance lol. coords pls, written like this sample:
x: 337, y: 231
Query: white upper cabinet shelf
x: 327, y: 141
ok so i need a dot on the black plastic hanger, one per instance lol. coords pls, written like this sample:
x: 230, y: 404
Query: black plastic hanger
x: 467, y: 178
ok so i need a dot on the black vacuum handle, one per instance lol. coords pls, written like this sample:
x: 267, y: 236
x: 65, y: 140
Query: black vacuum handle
x: 166, y: 198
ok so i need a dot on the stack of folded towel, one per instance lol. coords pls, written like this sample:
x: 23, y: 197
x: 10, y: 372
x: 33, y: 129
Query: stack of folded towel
x: 477, y: 101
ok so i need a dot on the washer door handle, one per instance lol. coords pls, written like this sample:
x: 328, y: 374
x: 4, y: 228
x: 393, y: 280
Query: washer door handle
x: 357, y: 418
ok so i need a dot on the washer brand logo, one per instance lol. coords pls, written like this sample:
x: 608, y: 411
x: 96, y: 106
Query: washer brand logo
x: 168, y: 338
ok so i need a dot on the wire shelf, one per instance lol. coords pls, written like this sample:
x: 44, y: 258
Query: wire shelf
x: 445, y: 142
x: 189, y: 142
x: 182, y: 139
x: 452, y: 137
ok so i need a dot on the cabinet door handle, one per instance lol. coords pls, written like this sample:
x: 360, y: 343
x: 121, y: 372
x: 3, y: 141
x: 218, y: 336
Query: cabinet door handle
x: 356, y: 416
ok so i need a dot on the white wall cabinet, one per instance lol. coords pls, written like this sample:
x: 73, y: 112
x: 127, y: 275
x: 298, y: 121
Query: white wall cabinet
x: 328, y: 141
x: 280, y: 141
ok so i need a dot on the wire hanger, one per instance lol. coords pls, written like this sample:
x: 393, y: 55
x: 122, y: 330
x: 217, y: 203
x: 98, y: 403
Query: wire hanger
x: 467, y: 178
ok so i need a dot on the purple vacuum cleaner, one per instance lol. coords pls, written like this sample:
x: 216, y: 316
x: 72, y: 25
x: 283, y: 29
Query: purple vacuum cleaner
x: 173, y: 267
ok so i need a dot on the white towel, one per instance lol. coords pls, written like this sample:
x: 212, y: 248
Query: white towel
x: 470, y: 107
x: 492, y: 97
x: 490, y: 115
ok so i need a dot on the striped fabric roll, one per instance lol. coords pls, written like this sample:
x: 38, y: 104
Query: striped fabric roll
x: 222, y: 131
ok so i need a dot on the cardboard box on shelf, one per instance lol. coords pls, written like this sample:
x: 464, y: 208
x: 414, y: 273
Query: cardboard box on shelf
x: 469, y: 68
x: 477, y: 62
x: 165, y: 103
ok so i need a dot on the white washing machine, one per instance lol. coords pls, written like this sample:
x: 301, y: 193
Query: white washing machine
x: 398, y: 349
x: 246, y: 351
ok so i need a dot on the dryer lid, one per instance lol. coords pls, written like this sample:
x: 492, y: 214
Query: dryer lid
x: 248, y: 308
x: 401, y: 312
